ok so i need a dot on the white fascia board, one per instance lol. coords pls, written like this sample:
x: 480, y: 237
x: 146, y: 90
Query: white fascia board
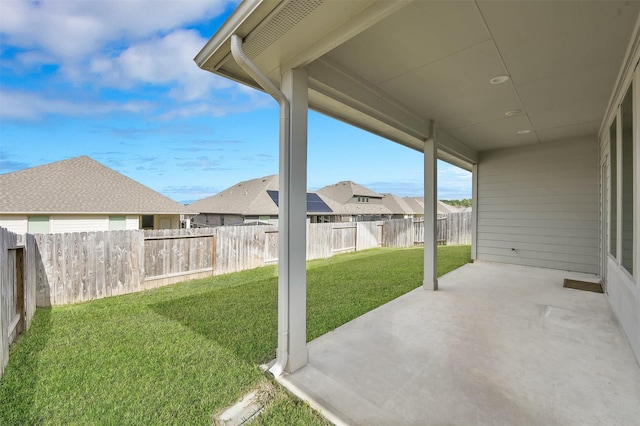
x: 222, y: 37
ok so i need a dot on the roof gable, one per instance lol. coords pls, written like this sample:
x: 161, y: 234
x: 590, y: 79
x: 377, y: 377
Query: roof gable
x: 396, y: 204
x: 253, y: 197
x: 80, y: 185
x: 344, y: 191
x: 247, y: 198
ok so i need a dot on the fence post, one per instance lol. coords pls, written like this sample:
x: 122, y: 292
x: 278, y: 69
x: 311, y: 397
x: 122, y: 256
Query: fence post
x: 20, y: 293
x: 214, y: 254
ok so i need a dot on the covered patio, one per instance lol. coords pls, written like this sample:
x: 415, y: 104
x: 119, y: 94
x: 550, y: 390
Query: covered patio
x: 539, y: 100
x: 496, y: 345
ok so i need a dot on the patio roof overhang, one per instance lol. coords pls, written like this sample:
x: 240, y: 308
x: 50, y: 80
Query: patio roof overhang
x: 395, y: 68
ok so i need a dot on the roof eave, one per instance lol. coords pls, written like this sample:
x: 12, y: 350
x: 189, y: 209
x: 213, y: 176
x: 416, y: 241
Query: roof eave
x: 243, y: 19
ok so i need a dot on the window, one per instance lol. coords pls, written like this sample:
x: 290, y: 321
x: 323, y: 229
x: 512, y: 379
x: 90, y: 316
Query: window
x: 628, y: 194
x: 147, y: 221
x: 117, y: 223
x: 363, y: 199
x: 38, y: 225
x: 613, y: 196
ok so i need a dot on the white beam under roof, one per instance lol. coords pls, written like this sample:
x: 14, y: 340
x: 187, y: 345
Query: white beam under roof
x: 330, y: 79
x: 376, y: 108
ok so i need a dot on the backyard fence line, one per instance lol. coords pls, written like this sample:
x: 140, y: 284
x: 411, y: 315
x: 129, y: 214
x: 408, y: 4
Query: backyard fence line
x: 92, y: 265
x: 57, y: 269
x: 77, y: 267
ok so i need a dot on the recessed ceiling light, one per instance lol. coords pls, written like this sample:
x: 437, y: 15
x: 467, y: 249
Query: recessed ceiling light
x: 499, y: 79
x: 523, y: 132
x: 513, y: 112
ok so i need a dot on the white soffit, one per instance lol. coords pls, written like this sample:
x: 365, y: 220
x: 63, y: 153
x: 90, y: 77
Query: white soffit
x: 563, y: 57
x: 432, y: 60
x: 436, y: 58
x: 419, y: 34
x: 456, y: 90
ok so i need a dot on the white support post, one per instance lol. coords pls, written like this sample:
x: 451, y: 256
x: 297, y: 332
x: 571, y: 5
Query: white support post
x: 431, y: 213
x: 636, y: 175
x: 292, y: 273
x: 474, y: 212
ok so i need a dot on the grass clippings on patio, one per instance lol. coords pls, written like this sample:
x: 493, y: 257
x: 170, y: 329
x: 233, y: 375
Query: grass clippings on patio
x: 178, y: 354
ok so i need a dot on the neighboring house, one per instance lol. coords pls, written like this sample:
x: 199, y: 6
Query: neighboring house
x: 351, y: 202
x: 412, y: 207
x: 398, y: 207
x: 444, y: 208
x: 539, y: 100
x: 79, y: 195
x: 253, y: 201
x: 416, y: 204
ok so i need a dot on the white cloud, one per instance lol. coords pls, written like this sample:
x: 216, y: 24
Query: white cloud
x: 72, y: 29
x: 119, y: 44
x: 29, y: 106
x: 220, y: 108
x: 165, y: 60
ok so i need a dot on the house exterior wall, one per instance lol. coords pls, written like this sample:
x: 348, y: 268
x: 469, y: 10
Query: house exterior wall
x: 132, y: 222
x: 166, y: 221
x: 78, y: 223
x: 67, y: 223
x: 621, y: 212
x: 14, y: 223
x: 538, y: 205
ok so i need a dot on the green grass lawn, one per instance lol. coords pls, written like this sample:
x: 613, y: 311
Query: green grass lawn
x: 179, y: 354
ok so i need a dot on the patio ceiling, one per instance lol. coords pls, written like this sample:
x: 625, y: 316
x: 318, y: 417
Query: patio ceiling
x: 393, y: 67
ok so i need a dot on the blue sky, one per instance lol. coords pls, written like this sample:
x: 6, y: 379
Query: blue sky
x: 115, y: 80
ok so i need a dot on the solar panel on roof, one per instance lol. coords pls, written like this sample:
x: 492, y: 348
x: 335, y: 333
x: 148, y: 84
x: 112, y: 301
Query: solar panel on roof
x: 314, y: 202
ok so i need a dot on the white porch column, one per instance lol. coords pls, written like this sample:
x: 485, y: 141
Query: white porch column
x: 292, y: 238
x: 431, y: 213
x: 474, y: 212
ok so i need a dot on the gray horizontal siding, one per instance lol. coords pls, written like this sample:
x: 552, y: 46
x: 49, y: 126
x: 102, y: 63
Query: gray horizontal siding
x: 538, y: 205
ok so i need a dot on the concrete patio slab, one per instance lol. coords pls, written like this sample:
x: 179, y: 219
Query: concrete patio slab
x: 496, y: 345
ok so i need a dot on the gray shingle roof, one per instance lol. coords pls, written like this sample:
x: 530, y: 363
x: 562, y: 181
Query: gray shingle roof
x: 416, y: 204
x: 396, y: 204
x: 339, y: 195
x: 344, y: 191
x: 247, y: 198
x: 447, y: 208
x: 80, y: 185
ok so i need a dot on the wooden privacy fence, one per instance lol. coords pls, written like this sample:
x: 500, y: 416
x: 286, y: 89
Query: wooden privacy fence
x: 84, y: 266
x: 57, y: 269
x: 77, y: 267
x: 17, y: 288
x: 452, y: 229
